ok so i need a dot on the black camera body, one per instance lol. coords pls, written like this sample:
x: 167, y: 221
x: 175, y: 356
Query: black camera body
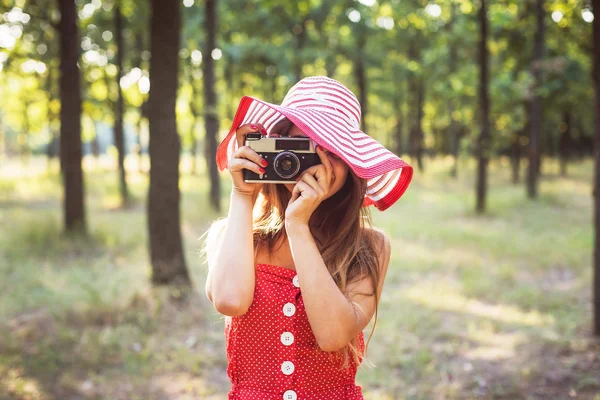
x: 288, y: 157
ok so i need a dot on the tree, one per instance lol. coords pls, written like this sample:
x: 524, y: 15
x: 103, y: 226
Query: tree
x: 483, y: 145
x: 211, y: 117
x: 166, y: 248
x: 596, y: 75
x: 536, y: 104
x: 118, y: 131
x: 70, y: 119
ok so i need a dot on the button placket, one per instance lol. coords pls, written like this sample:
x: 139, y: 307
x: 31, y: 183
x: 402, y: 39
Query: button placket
x: 287, y: 340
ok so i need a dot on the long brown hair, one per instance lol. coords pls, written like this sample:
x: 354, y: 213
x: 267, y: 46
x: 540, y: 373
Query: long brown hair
x: 338, y: 225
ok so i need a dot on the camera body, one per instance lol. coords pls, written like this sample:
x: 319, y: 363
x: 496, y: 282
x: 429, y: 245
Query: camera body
x: 288, y: 157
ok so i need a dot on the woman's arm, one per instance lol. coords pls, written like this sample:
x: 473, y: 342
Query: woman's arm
x: 334, y: 318
x: 230, y: 282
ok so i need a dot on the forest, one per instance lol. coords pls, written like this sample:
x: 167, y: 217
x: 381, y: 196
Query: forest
x: 111, y: 112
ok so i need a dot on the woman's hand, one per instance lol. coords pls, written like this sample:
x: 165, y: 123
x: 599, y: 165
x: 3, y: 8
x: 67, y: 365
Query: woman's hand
x: 246, y: 158
x: 312, y: 188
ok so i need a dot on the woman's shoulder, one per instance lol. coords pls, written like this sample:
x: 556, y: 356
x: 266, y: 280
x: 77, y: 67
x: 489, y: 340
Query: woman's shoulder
x: 376, y: 234
x: 380, y: 240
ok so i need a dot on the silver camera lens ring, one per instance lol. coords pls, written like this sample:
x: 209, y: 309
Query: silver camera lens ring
x: 284, y: 154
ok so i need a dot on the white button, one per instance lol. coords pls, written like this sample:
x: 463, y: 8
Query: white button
x: 289, y: 395
x: 295, y: 281
x: 289, y: 309
x: 287, y: 367
x: 287, y: 338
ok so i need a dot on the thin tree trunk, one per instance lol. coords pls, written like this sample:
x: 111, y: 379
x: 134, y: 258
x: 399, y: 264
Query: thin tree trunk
x: 95, y: 145
x: 564, y: 143
x: 416, y: 89
x: 359, y: 71
x: 330, y: 63
x: 195, y: 117
x: 138, y: 150
x: 453, y: 129
x: 70, y: 120
x: 139, y: 44
x: 24, y: 145
x: 536, y: 106
x: 361, y: 80
x: 413, y: 90
x: 483, y: 144
x: 515, y: 156
x: 299, y: 31
x: 398, y: 103
x: 50, y: 116
x: 164, y: 219
x: 211, y: 117
x: 419, y: 132
x: 596, y: 75
x: 118, y: 130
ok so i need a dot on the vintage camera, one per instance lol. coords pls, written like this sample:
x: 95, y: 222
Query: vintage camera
x: 288, y: 157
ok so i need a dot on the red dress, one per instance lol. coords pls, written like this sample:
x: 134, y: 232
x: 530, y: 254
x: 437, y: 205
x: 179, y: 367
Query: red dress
x: 271, y: 350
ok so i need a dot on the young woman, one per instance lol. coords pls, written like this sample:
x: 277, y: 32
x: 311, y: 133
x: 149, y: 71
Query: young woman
x: 296, y: 268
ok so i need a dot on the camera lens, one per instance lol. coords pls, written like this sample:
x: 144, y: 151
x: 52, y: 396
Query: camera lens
x: 286, y: 164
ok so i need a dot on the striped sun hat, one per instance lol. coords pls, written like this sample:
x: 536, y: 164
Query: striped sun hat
x: 328, y: 113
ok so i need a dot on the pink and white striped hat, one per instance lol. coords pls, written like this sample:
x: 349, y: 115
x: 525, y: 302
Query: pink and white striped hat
x: 328, y: 113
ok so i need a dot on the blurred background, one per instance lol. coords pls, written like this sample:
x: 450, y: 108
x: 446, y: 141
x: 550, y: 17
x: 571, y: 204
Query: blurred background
x: 110, y: 115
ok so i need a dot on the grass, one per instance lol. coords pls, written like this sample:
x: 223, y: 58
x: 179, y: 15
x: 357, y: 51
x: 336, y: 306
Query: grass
x: 496, y: 306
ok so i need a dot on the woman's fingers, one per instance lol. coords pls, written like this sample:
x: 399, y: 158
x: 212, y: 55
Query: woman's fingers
x: 326, y: 163
x: 296, y: 192
x: 241, y: 132
x: 237, y: 164
x: 319, y: 172
x: 249, y: 154
x: 305, y: 190
x: 318, y: 186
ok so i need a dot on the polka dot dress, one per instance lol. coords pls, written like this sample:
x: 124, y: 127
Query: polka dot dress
x: 272, y: 352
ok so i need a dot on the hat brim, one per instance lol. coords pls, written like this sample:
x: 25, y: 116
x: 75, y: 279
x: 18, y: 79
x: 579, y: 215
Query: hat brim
x: 388, y: 176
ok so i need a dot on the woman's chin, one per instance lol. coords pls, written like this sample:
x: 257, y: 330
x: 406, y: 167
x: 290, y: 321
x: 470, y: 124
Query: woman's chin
x: 290, y: 186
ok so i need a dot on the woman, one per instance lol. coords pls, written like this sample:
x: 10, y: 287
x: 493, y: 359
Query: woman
x: 296, y: 268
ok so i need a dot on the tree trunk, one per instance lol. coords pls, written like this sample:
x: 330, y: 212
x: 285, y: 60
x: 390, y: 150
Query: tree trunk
x: 24, y: 145
x: 361, y: 80
x: 515, y: 156
x: 416, y: 89
x: 299, y: 31
x: 211, y: 117
x: 453, y: 128
x: 398, y: 103
x: 419, y: 128
x: 51, y: 150
x: 166, y: 248
x: 596, y: 75
x: 95, y: 145
x: 483, y: 145
x: 139, y: 44
x: 231, y: 78
x: 536, y: 106
x: 138, y: 150
x: 70, y: 120
x: 195, y: 117
x: 118, y: 130
x: 564, y: 143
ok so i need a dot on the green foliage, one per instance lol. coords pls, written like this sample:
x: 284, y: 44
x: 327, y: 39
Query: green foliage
x: 265, y: 46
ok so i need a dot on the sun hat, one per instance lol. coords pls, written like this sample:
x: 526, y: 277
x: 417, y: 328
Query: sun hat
x: 329, y: 113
